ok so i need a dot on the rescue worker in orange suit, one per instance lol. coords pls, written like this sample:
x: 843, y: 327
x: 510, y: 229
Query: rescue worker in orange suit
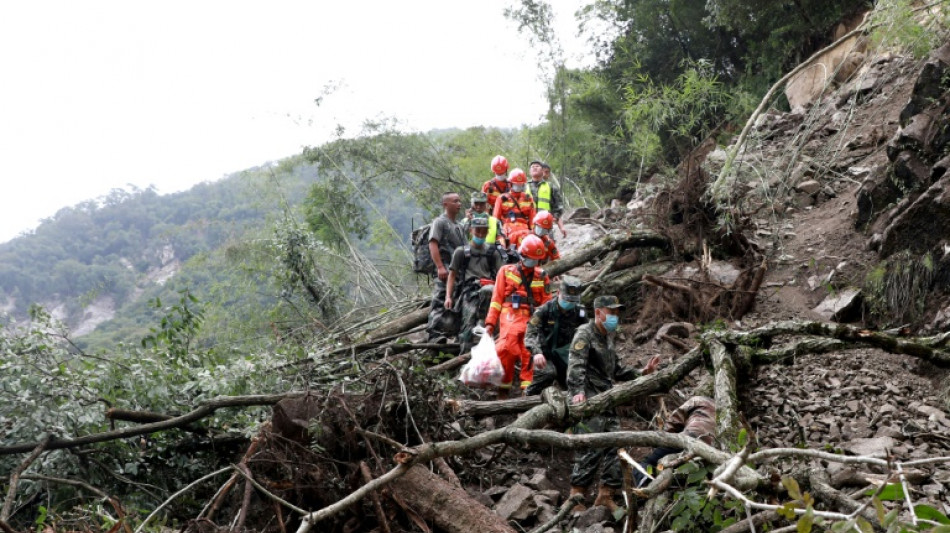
x: 519, y: 289
x: 498, y: 185
x: 543, y: 227
x: 515, y: 208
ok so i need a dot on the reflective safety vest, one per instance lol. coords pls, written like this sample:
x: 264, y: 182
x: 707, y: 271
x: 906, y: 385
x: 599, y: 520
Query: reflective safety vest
x: 492, y: 236
x: 493, y: 224
x: 543, y: 201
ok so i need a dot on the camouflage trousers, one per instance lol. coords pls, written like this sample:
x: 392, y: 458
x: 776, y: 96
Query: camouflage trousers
x: 553, y: 372
x: 442, y: 322
x: 474, y: 308
x: 588, y: 463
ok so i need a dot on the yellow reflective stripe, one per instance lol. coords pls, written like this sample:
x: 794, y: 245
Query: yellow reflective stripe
x: 539, y: 284
x: 515, y: 278
x: 505, y: 385
x: 496, y: 306
x: 525, y: 384
x: 544, y: 196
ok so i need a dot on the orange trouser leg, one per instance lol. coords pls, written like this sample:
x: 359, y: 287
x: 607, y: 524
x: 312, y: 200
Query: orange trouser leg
x: 510, y: 344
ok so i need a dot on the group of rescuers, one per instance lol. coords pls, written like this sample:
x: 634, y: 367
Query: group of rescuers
x: 488, y: 270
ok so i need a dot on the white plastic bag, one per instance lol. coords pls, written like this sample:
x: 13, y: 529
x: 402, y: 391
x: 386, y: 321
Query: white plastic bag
x: 484, y: 368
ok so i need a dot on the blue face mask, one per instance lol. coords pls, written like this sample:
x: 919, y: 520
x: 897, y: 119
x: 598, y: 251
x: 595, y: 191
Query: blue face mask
x: 611, y: 322
x: 567, y: 306
x: 530, y: 263
x: 478, y: 241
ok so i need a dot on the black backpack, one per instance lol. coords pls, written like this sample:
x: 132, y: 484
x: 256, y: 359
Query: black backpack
x: 422, y: 262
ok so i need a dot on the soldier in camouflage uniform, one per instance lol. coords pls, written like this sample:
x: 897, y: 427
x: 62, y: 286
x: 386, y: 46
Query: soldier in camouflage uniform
x: 472, y: 279
x: 550, y: 332
x: 496, y: 231
x: 593, y: 366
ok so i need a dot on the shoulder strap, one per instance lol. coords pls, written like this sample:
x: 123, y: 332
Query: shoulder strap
x: 526, y: 283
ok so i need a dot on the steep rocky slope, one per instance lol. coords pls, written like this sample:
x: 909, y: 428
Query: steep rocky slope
x: 833, y: 191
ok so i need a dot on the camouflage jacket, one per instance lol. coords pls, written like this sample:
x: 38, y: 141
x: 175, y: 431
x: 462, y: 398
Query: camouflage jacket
x: 593, y: 365
x: 551, y: 329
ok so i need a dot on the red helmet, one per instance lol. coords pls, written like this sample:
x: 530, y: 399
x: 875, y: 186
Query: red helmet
x: 532, y: 247
x: 499, y: 165
x: 517, y: 176
x: 544, y: 219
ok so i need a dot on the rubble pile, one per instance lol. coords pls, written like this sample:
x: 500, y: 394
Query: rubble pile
x: 859, y: 402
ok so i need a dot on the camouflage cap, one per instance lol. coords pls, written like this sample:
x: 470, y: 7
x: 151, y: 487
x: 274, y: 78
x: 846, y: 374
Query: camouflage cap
x: 571, y: 289
x: 479, y: 222
x: 479, y: 196
x: 608, y: 300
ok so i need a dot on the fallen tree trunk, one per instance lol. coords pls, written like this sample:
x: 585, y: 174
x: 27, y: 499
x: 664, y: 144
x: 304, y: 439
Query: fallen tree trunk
x: 931, y: 349
x: 451, y: 364
x: 449, y: 507
x: 607, y: 243
x: 401, y: 324
x: 494, y: 407
x: 205, y: 409
x: 620, y: 282
x: 727, y: 401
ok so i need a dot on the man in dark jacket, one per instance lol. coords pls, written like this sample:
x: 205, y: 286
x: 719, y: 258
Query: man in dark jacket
x: 695, y: 418
x: 593, y: 366
x: 549, y: 335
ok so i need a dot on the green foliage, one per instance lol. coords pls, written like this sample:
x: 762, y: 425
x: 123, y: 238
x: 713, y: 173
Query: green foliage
x: 691, y: 511
x: 103, y: 248
x: 301, y: 275
x: 670, y: 73
x: 333, y: 212
x: 54, y: 389
x: 896, y: 290
x: 927, y: 512
x: 177, y: 328
x: 419, y: 165
x: 666, y: 121
x: 897, y: 24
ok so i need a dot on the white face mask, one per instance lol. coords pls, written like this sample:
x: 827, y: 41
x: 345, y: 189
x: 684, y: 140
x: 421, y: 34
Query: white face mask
x: 541, y: 232
x: 530, y: 263
x: 517, y: 188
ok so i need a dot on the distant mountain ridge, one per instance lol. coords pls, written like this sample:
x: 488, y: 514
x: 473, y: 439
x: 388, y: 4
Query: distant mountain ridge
x: 89, y: 261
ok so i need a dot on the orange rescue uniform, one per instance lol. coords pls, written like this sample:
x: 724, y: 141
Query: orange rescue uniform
x: 509, y: 313
x: 494, y: 188
x: 515, y: 211
x: 550, y: 247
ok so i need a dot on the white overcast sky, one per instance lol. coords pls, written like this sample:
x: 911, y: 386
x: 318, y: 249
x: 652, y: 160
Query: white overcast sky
x: 95, y: 95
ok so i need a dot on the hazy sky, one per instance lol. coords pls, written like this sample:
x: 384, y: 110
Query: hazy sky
x: 95, y: 95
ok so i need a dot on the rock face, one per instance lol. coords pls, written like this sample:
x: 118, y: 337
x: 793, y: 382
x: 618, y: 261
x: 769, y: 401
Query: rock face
x: 918, y: 170
x: 838, y: 64
x: 923, y: 224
